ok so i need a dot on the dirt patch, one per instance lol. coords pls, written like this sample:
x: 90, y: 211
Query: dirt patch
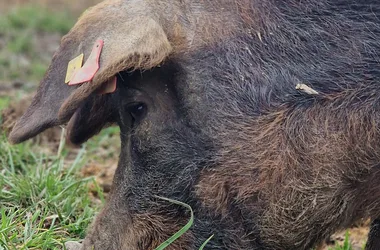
x: 50, y: 138
x: 103, y: 174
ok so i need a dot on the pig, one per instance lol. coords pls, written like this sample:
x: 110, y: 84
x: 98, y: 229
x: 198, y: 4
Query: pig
x: 262, y: 115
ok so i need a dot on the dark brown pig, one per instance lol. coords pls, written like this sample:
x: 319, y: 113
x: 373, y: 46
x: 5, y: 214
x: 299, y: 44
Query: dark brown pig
x: 262, y: 115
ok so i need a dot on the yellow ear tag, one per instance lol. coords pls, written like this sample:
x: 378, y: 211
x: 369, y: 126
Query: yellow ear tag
x: 73, y: 66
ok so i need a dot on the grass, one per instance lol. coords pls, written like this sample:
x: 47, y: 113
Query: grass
x: 105, y: 145
x: 37, y: 19
x: 346, y: 244
x: 20, y: 32
x: 183, y: 230
x: 43, y: 201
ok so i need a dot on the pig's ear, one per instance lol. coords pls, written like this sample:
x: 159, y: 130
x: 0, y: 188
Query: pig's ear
x: 132, y: 39
x: 92, y: 115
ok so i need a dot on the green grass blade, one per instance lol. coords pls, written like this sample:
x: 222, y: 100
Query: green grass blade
x: 205, y: 243
x: 183, y: 230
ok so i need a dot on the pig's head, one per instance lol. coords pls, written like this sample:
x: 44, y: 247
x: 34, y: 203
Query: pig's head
x: 157, y: 104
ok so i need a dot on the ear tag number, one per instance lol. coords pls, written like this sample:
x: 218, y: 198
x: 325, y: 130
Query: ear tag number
x: 73, y: 66
x: 91, y: 66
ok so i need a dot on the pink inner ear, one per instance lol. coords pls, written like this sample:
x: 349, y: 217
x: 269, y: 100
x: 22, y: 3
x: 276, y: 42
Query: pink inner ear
x: 108, y: 87
x: 89, y: 69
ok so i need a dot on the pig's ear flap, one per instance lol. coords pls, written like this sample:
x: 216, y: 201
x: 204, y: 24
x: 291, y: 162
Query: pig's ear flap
x: 91, y: 116
x: 132, y: 39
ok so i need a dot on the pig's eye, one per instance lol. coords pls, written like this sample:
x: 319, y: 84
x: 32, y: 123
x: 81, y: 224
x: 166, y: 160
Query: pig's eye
x: 137, y: 110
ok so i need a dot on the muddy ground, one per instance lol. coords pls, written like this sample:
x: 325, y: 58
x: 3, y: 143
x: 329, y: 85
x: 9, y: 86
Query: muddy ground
x: 45, y: 46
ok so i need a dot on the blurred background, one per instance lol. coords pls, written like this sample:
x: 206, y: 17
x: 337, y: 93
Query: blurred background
x: 30, y: 32
x: 73, y: 6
